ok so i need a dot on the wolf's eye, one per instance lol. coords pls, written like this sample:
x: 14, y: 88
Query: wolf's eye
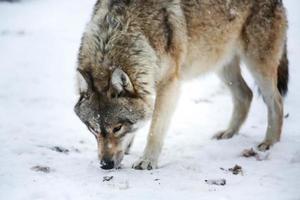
x: 117, y: 128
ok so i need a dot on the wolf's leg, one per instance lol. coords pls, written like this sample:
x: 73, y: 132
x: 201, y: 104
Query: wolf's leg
x: 241, y: 96
x: 129, y: 145
x: 263, y: 40
x: 165, y: 104
x: 266, y: 78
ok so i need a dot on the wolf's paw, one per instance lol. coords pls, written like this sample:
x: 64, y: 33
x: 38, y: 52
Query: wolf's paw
x: 264, y: 146
x: 224, y: 135
x: 144, y: 163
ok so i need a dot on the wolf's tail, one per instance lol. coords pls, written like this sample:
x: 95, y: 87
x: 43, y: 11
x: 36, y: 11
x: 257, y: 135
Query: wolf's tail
x: 283, y: 73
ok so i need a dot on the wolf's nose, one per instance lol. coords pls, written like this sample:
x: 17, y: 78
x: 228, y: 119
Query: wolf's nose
x: 107, y: 164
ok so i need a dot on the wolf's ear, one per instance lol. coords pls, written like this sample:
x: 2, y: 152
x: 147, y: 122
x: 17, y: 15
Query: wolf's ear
x: 85, y: 80
x: 120, y: 82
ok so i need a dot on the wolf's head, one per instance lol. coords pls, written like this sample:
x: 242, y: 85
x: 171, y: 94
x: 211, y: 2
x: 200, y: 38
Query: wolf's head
x: 111, y: 115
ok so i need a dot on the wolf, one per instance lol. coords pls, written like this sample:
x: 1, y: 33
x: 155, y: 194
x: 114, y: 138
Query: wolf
x: 135, y: 54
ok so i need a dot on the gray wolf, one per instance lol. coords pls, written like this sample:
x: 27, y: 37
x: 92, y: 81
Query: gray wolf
x: 135, y: 54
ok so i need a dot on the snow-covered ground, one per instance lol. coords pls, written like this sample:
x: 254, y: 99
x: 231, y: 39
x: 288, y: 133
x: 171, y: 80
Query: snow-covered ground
x: 38, y: 46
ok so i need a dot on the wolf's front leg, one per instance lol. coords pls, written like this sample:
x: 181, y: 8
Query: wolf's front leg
x: 165, y: 103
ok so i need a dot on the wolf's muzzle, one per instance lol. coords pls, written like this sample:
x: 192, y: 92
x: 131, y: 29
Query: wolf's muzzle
x: 107, y: 164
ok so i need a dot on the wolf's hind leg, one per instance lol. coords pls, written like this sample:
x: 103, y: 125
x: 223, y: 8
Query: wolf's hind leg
x: 266, y: 78
x: 241, y: 96
x: 263, y: 41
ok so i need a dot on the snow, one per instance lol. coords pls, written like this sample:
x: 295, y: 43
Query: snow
x: 38, y: 46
